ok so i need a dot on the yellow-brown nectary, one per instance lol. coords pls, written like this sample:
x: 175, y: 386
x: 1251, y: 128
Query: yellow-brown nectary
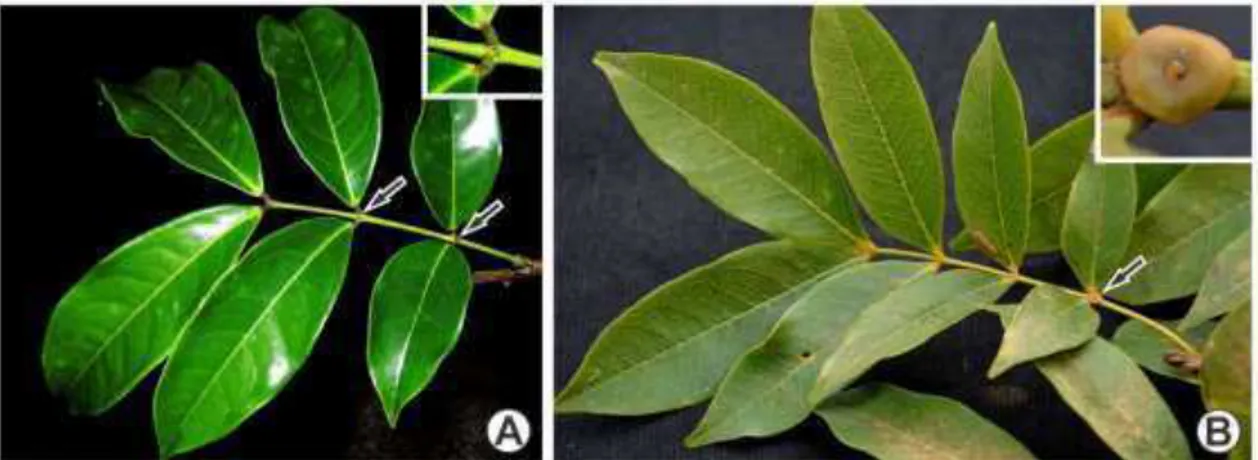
x: 1176, y: 75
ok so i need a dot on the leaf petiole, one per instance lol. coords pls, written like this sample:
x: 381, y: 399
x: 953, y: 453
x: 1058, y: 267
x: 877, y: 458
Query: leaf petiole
x: 498, y: 53
x: 514, y: 259
x: 1179, y: 341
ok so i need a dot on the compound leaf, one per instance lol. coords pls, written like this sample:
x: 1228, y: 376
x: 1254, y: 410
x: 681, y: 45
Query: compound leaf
x: 1047, y: 321
x: 195, y: 116
x: 1183, y: 227
x: 735, y: 144
x: 1148, y: 348
x: 456, y: 149
x: 254, y: 331
x: 766, y: 392
x: 1225, y: 372
x: 474, y: 16
x: 1135, y: 422
x: 121, y: 320
x: 1097, y: 225
x: 417, y: 311
x: 989, y: 153
x: 887, y: 421
x: 673, y: 346
x: 902, y: 321
x: 879, y: 123
x: 1226, y: 286
x: 449, y: 75
x: 328, y: 96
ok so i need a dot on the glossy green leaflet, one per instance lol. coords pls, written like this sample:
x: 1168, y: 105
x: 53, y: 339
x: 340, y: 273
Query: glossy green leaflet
x: 232, y: 329
x: 744, y: 151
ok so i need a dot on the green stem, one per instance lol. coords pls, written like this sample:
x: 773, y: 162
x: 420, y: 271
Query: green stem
x: 1242, y: 88
x: 514, y: 259
x: 1105, y: 303
x: 474, y: 50
x: 501, y: 54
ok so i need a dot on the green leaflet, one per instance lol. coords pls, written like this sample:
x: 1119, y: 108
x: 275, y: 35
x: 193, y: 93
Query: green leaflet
x: 1152, y: 177
x: 902, y: 321
x: 735, y: 144
x: 1226, y: 286
x: 474, y: 16
x: 879, y: 123
x: 1148, y: 348
x: 1047, y: 321
x: 766, y: 392
x: 449, y: 75
x: 328, y: 96
x: 417, y: 311
x: 1097, y: 225
x: 1225, y: 372
x: 119, y: 321
x: 254, y: 331
x: 195, y: 116
x: 889, y: 422
x: 989, y: 153
x: 1135, y: 422
x: 1055, y: 158
x: 673, y: 346
x: 1182, y: 228
x: 455, y: 152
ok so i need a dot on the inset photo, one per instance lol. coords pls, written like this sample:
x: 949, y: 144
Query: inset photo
x: 1175, y: 83
x: 483, y: 49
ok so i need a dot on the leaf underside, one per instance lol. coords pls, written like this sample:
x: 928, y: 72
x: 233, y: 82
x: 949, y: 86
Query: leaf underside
x: 1181, y: 229
x: 1148, y: 348
x: 990, y: 158
x: 1047, y: 321
x: 1225, y: 373
x: 890, y: 422
x: 735, y: 144
x: 766, y: 391
x: 1135, y: 422
x: 879, y: 123
x: 905, y: 319
x: 672, y: 347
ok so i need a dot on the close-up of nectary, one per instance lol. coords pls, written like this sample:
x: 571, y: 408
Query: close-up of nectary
x: 229, y: 330
x: 1166, y: 74
x: 777, y: 332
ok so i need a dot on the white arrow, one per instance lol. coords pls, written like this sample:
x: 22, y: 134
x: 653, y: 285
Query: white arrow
x: 385, y: 194
x: 481, y: 219
x: 1123, y: 275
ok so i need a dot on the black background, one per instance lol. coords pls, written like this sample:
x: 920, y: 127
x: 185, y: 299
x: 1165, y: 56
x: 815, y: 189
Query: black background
x: 519, y: 27
x: 1220, y: 133
x: 625, y: 223
x: 76, y: 187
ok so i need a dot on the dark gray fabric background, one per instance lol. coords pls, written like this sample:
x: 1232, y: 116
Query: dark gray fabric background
x: 625, y: 223
x: 1223, y: 133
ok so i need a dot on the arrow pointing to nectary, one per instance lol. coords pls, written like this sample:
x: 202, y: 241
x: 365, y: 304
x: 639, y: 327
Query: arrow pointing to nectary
x: 385, y: 194
x: 481, y: 219
x: 1123, y: 275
